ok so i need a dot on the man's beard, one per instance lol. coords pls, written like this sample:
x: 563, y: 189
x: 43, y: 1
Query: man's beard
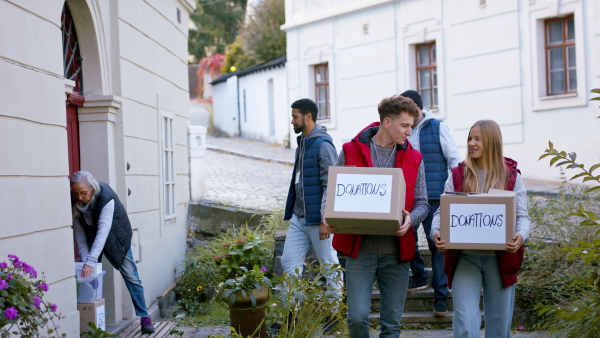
x: 299, y: 128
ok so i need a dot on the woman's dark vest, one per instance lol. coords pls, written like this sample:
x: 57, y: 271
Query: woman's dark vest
x: 436, y: 166
x: 118, y: 241
x: 311, y: 181
x: 508, y: 263
x: 408, y: 159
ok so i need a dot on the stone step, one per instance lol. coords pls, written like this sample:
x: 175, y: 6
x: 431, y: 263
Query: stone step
x: 421, y: 320
x: 422, y: 300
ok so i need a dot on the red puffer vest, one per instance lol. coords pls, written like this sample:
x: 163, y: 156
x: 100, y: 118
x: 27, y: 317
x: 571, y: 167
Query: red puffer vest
x: 358, y: 153
x: 509, y: 263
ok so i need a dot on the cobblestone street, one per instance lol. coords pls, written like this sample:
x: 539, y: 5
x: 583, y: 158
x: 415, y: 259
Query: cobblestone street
x: 244, y: 182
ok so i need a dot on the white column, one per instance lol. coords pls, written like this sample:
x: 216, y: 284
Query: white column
x: 197, y: 150
x: 97, y: 120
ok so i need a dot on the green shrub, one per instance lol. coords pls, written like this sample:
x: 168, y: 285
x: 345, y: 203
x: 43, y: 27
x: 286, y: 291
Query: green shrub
x: 197, y: 283
x: 547, y: 273
x: 303, y: 306
x: 578, y: 315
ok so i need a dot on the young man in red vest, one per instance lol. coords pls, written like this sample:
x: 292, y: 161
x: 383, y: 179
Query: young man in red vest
x: 384, y: 259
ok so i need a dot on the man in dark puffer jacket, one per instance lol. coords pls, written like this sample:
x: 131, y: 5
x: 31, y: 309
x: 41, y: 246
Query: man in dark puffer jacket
x: 314, y: 155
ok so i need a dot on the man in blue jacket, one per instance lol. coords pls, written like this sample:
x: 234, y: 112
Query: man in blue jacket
x: 433, y: 139
x: 314, y: 155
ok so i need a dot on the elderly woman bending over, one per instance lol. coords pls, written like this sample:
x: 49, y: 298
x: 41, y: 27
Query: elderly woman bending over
x: 101, y: 227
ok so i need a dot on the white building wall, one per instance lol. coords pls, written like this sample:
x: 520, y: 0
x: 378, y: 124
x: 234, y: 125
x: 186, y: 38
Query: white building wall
x: 255, y: 117
x: 135, y: 65
x: 225, y: 107
x: 153, y: 62
x: 488, y: 59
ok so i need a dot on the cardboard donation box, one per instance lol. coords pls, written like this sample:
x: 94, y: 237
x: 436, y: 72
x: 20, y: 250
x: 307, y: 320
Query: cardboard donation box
x: 92, y: 312
x: 366, y: 201
x: 483, y: 221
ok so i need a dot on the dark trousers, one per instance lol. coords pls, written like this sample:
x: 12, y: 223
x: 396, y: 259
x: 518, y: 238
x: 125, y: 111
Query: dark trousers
x: 439, y: 280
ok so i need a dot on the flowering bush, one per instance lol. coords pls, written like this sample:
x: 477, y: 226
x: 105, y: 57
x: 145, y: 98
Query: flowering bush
x: 251, y: 279
x: 22, y: 309
x: 244, y: 252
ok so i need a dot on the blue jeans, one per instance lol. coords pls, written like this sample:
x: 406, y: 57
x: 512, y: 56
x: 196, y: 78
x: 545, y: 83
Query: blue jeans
x: 474, y: 272
x: 298, y: 241
x: 439, y: 280
x: 392, y: 278
x: 134, y: 284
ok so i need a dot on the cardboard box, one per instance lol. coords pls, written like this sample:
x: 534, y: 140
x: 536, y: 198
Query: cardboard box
x: 93, y: 312
x: 483, y: 221
x: 366, y: 201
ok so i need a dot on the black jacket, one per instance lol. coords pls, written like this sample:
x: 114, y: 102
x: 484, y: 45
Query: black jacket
x: 118, y: 241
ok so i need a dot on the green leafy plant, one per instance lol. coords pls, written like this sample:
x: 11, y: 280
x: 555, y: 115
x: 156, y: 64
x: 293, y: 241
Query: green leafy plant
x: 96, y: 332
x: 197, y: 281
x: 245, y: 252
x: 244, y: 284
x: 581, y: 316
x: 23, y: 311
x: 303, y: 307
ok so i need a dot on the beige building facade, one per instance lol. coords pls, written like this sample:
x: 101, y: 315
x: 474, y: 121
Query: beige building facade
x: 130, y: 98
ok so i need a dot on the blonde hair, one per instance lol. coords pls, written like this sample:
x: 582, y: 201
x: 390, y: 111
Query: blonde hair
x: 491, y: 160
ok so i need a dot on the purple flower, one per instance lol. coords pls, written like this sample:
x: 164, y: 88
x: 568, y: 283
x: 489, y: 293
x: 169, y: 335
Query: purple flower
x: 43, y: 286
x: 37, y: 301
x: 263, y: 268
x: 3, y: 265
x: 18, y: 264
x: 15, y: 257
x: 9, y: 276
x: 54, y: 307
x: 30, y: 270
x: 11, y: 313
x: 3, y: 284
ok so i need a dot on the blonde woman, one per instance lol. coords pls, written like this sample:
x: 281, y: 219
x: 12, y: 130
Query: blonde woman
x: 470, y: 271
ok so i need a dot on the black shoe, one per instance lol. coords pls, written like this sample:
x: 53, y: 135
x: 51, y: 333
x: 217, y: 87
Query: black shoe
x: 330, y: 326
x: 147, y: 326
x: 440, y: 307
x: 273, y: 331
x: 417, y: 285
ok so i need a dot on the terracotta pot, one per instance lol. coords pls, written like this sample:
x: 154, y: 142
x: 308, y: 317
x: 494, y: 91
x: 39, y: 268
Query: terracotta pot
x: 246, y: 320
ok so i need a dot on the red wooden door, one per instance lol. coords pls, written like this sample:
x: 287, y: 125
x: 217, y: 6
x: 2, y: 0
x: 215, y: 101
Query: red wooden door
x: 73, y: 138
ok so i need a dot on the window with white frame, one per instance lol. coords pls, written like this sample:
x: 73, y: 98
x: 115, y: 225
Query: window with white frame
x: 168, y: 166
x: 561, y: 63
x: 322, y: 90
x: 426, y: 70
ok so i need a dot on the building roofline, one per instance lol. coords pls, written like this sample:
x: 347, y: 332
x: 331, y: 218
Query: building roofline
x: 275, y: 63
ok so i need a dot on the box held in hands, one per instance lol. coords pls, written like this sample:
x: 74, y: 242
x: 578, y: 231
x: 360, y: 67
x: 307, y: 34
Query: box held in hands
x: 89, y: 289
x: 365, y: 200
x: 483, y: 221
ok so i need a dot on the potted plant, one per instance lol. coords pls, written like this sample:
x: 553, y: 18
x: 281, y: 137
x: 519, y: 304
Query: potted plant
x: 245, y: 251
x: 246, y: 296
x: 22, y: 308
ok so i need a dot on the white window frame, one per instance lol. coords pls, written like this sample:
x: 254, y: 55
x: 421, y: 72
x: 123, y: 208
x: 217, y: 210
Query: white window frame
x: 312, y: 59
x: 410, y: 39
x: 538, y: 14
x: 168, y: 168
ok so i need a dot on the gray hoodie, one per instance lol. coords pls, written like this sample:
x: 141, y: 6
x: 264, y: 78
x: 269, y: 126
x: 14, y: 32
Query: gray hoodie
x: 327, y: 157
